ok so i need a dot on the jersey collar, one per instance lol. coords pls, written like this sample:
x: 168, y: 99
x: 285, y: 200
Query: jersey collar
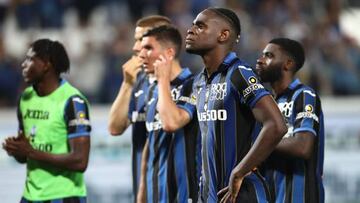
x: 223, y: 66
x: 184, y: 74
x: 293, y: 85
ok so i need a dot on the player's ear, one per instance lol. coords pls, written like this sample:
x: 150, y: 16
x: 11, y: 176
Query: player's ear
x: 224, y: 35
x: 289, y: 65
x: 170, y: 53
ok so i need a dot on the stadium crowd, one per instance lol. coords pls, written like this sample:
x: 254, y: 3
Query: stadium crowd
x: 98, y: 37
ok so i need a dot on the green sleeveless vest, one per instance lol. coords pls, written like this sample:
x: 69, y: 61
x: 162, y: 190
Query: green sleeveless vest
x: 44, y: 125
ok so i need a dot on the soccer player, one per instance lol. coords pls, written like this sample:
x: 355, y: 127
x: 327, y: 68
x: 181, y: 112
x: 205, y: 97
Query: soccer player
x: 54, y: 128
x: 295, y: 168
x: 129, y: 104
x: 172, y: 168
x: 227, y: 99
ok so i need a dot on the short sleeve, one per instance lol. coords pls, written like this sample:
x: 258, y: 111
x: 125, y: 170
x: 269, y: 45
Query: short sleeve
x: 307, y: 112
x: 247, y: 85
x: 187, y: 99
x: 77, y: 117
x: 132, y: 106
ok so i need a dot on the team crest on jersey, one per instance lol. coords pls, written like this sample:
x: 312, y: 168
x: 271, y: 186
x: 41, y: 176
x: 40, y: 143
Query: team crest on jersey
x: 218, y: 91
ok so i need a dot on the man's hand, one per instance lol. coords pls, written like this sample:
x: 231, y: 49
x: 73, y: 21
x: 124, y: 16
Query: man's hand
x: 131, y: 68
x: 232, y: 191
x: 162, y: 67
x: 5, y: 144
x: 18, y: 146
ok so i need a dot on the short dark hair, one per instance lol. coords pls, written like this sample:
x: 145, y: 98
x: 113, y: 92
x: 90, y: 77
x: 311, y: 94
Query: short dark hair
x: 294, y: 50
x: 165, y: 34
x: 54, y: 52
x: 230, y: 16
x: 153, y: 21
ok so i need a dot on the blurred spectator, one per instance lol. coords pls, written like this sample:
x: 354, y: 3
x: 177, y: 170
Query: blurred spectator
x: 43, y: 13
x: 10, y: 78
x: 96, y: 34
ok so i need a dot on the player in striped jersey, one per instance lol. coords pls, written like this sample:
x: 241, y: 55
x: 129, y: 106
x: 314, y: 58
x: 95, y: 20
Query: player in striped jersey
x: 295, y: 168
x: 228, y: 99
x: 129, y: 104
x: 54, y: 129
x: 172, y: 165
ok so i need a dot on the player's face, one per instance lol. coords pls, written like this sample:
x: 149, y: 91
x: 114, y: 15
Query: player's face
x: 139, y: 32
x: 33, y: 68
x: 270, y: 64
x: 151, y: 49
x: 203, y: 34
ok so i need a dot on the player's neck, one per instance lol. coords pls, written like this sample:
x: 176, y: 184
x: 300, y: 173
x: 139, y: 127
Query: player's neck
x: 281, y: 85
x: 175, y: 69
x: 213, y: 59
x: 47, y: 86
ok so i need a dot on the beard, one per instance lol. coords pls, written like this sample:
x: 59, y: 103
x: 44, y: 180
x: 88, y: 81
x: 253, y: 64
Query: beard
x: 271, y: 74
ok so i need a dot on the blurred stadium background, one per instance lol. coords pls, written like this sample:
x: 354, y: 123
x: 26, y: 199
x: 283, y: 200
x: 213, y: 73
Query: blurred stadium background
x: 98, y: 35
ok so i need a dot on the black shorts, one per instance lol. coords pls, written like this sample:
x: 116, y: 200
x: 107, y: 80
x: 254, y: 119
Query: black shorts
x: 62, y: 200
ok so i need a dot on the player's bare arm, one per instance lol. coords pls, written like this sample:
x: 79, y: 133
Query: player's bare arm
x: 141, y: 196
x: 172, y: 117
x: 300, y: 145
x: 76, y: 159
x: 118, y: 119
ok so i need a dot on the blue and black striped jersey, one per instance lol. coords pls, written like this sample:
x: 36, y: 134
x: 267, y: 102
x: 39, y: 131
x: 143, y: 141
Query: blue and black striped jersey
x: 136, y: 115
x: 223, y: 104
x: 173, y: 165
x: 296, y: 180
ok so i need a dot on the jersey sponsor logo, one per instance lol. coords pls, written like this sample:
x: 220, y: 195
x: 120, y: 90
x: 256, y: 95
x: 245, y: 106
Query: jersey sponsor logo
x: 252, y: 80
x: 307, y: 115
x: 152, y: 126
x: 212, y: 115
x: 309, y: 108
x: 138, y: 93
x: 138, y: 117
x: 175, y: 92
x: 218, y: 91
x: 151, y: 101
x: 290, y: 132
x: 286, y: 108
x: 155, y: 125
x: 79, y: 120
x: 45, y: 147
x: 36, y: 114
x: 191, y: 100
x: 252, y: 88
